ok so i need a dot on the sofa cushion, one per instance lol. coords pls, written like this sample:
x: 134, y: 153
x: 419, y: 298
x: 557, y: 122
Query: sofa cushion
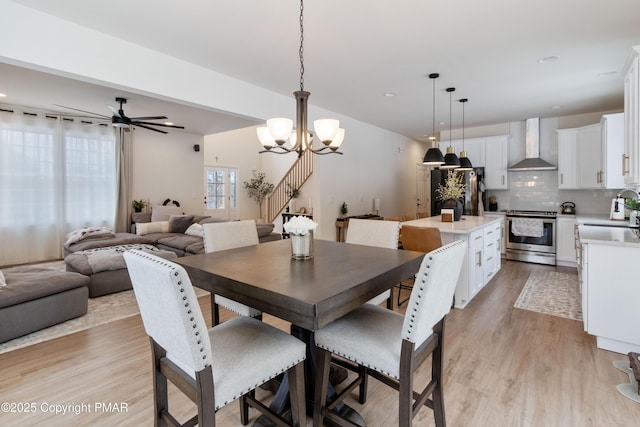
x: 152, y: 227
x: 141, y: 217
x: 179, y: 241
x: 162, y: 213
x: 35, y: 282
x: 196, y: 248
x: 264, y: 229
x: 180, y: 223
x: 106, y: 259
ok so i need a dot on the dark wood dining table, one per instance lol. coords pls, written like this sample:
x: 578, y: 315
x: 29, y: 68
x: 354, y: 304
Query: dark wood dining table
x: 308, y: 293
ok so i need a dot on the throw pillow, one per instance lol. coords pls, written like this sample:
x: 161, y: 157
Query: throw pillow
x: 162, y: 213
x: 152, y: 227
x: 195, y: 229
x: 3, y: 281
x: 264, y: 229
x: 180, y: 223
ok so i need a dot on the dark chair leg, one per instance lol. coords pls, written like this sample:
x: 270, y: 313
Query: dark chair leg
x: 390, y: 301
x: 436, y: 374
x: 244, y: 409
x: 323, y: 365
x: 297, y: 395
x: 215, y: 311
x: 405, y: 401
x: 161, y: 399
x: 362, y: 373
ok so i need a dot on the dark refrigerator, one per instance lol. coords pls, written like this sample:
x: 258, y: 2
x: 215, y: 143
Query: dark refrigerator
x: 474, y: 181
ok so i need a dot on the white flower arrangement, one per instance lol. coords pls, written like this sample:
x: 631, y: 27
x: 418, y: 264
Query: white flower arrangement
x: 300, y: 226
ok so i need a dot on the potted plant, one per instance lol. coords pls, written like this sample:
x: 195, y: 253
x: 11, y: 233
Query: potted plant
x: 138, y: 205
x: 293, y: 193
x: 634, y: 205
x: 343, y: 209
x: 451, y: 193
x: 258, y: 188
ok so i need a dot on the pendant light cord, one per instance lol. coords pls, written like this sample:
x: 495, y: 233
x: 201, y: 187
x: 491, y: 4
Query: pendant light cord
x: 301, y: 50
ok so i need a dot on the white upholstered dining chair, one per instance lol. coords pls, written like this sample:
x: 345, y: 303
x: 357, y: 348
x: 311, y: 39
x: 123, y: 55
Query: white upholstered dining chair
x: 212, y: 367
x: 220, y: 236
x: 372, y: 232
x: 391, y: 346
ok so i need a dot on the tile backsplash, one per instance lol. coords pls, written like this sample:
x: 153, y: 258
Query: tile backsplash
x: 538, y: 190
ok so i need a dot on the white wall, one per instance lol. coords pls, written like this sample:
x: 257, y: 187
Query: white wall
x: 167, y: 167
x: 375, y: 163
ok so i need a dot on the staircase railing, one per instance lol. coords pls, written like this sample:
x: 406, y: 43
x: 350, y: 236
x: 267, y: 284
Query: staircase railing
x: 295, y: 177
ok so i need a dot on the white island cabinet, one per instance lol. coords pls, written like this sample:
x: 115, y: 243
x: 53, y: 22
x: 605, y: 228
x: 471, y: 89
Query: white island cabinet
x: 610, y: 289
x: 482, y: 260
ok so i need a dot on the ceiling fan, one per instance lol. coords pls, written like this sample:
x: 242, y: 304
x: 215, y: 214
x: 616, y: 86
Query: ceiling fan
x: 120, y: 120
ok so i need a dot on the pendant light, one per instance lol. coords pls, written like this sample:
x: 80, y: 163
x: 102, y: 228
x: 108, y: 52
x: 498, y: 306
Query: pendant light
x: 278, y: 131
x: 451, y: 161
x: 465, y: 163
x: 433, y: 156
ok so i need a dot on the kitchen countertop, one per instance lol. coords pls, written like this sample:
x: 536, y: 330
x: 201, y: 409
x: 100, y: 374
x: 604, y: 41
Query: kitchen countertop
x: 602, y: 235
x: 603, y: 220
x: 466, y: 225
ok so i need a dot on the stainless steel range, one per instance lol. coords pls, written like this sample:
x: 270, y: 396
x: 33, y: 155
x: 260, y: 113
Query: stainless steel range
x: 531, y: 236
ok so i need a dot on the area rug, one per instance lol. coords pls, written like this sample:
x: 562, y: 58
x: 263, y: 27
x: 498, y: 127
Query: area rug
x: 101, y: 310
x: 551, y: 292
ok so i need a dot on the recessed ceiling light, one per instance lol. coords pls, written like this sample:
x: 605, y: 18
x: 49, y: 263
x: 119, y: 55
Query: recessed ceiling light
x: 168, y: 123
x: 390, y: 94
x: 546, y: 59
x: 556, y: 107
x: 608, y: 74
x: 2, y: 95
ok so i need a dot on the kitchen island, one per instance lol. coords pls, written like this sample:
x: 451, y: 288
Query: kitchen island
x: 482, y: 260
x: 607, y: 262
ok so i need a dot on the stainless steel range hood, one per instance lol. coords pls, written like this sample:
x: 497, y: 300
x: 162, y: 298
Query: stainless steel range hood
x: 532, y: 160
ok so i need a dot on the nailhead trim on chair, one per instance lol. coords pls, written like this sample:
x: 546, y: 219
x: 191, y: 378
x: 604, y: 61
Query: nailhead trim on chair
x: 194, y: 326
x: 423, y: 281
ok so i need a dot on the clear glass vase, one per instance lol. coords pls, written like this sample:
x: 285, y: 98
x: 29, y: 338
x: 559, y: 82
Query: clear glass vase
x: 302, y: 246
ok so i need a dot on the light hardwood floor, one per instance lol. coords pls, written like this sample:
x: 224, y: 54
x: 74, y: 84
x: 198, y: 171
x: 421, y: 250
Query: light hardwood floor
x: 503, y: 367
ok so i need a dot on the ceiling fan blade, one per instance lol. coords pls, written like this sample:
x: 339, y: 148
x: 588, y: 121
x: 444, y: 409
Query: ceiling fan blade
x: 149, y: 118
x: 133, y: 122
x: 82, y: 111
x: 113, y: 111
x: 148, y: 127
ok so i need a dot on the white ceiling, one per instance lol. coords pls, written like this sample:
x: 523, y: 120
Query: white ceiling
x: 356, y: 51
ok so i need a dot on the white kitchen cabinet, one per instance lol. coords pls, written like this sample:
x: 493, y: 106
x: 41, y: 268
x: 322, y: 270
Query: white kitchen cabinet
x: 612, y: 128
x: 567, y: 155
x: 565, y: 240
x: 589, y: 149
x: 473, y: 146
x: 502, y: 243
x: 631, y: 156
x: 496, y: 162
x: 476, y: 261
x: 611, y: 296
x: 491, y: 251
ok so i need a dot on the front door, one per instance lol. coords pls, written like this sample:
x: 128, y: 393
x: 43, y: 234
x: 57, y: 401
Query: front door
x: 423, y: 189
x: 221, y: 192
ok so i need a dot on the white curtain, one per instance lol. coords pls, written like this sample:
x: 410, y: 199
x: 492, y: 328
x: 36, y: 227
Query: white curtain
x: 55, y: 176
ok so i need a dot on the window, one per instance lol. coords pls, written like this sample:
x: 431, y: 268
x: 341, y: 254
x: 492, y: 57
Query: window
x: 221, y: 189
x: 55, y: 176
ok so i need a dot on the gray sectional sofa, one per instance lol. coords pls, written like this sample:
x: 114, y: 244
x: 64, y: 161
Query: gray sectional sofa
x: 167, y: 239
